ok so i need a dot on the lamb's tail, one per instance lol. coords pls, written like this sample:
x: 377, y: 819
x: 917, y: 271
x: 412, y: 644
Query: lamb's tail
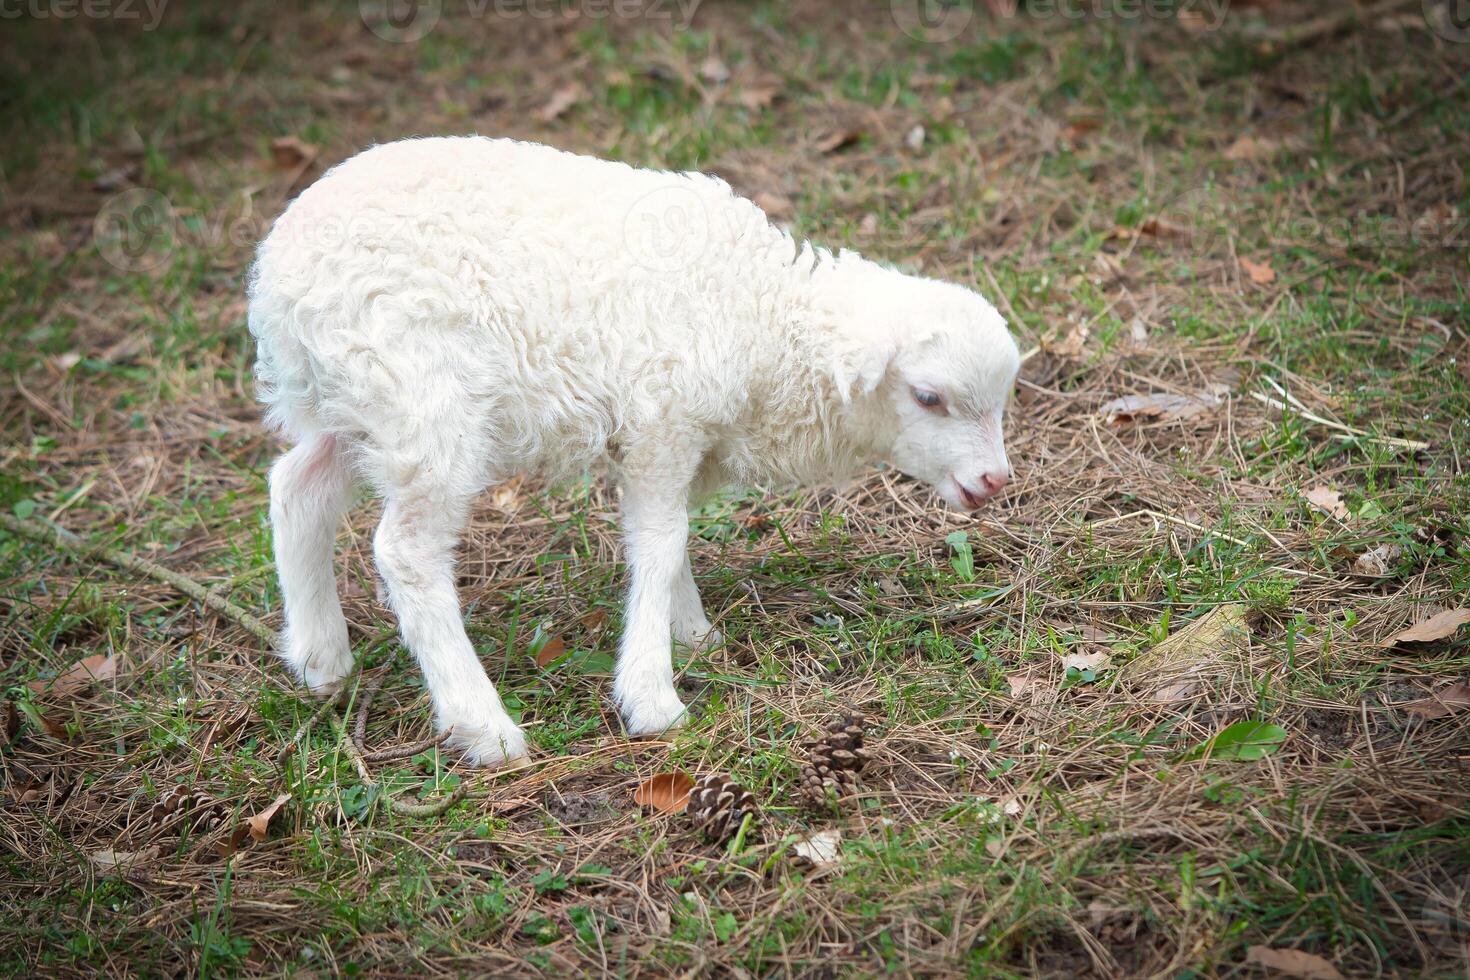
x: 284, y: 383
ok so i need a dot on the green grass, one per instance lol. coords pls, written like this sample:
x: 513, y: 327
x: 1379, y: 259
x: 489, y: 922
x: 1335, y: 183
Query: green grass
x: 1070, y: 827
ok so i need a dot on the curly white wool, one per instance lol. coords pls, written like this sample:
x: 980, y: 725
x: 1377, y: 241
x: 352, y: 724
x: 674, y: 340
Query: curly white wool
x: 436, y: 315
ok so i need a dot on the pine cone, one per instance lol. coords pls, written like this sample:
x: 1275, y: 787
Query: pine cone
x: 718, y: 805
x: 181, y: 802
x: 834, y: 761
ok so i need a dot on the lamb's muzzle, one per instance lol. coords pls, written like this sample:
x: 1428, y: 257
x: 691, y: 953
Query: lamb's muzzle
x: 434, y: 316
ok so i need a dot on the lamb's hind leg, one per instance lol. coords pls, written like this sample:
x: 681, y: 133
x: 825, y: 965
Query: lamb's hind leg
x: 414, y: 548
x: 310, y: 487
x: 691, y: 626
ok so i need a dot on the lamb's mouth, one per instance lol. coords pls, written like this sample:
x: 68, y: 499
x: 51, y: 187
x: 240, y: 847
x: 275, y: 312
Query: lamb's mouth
x: 969, y: 499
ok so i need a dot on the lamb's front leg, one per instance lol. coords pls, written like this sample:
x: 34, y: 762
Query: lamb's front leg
x: 656, y: 536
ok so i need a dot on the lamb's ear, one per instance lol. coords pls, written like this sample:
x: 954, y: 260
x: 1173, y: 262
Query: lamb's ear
x: 860, y: 368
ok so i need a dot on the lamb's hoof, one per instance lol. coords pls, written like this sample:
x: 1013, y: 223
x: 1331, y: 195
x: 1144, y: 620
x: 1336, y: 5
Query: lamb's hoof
x: 698, y: 636
x: 497, y: 742
x: 652, y: 712
x: 324, y: 673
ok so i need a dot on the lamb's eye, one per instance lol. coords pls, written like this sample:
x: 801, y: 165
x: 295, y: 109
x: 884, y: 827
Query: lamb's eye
x: 927, y: 398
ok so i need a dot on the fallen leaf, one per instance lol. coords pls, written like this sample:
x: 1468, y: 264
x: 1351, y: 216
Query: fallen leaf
x: 1436, y: 627
x: 1151, y: 228
x: 760, y: 95
x: 1174, y: 668
x: 1329, y: 501
x: 777, y: 207
x: 668, y: 792
x: 98, y: 667
x: 507, y: 497
x: 1011, y: 807
x: 839, y: 139
x: 1293, y: 963
x: 1377, y: 562
x: 561, y: 100
x: 289, y: 153
x: 1081, y: 127
x: 1244, y: 741
x: 594, y: 621
x: 1021, y: 683
x: 1260, y: 272
x: 1159, y: 228
x: 1070, y: 344
x: 1099, y: 661
x: 714, y: 70
x: 550, y: 650
x: 259, y: 825
x: 914, y: 140
x: 1251, y: 148
x: 110, y: 860
x: 12, y: 720
x: 1164, y: 406
x: 821, y: 849
x: 1442, y: 703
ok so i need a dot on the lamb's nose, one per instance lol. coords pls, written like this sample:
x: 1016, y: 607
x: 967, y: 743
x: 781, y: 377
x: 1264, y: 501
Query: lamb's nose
x: 994, y: 483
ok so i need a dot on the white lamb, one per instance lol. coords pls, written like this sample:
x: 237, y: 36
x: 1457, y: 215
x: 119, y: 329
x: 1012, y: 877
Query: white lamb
x: 436, y: 315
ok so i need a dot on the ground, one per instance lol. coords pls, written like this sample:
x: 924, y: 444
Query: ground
x: 1264, y: 216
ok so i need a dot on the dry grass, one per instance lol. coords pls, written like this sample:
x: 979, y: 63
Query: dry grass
x: 1016, y: 819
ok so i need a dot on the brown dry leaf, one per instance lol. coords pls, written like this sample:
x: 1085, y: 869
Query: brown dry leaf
x: 668, y: 792
x: 1159, y: 405
x: 507, y: 497
x: 1100, y: 660
x: 714, y: 70
x: 1260, y: 273
x: 1081, y: 127
x: 1442, y: 703
x: 1159, y: 228
x: 839, y: 139
x: 550, y: 650
x: 259, y: 825
x: 594, y: 621
x: 1293, y: 963
x: 1152, y: 228
x: 289, y: 153
x: 1329, y: 501
x: 1176, y: 667
x: 759, y: 95
x: 821, y: 850
x: 1377, y: 562
x: 561, y: 100
x: 777, y: 207
x: 1436, y: 627
x: 1251, y: 148
x: 110, y: 860
x: 12, y: 720
x: 98, y: 667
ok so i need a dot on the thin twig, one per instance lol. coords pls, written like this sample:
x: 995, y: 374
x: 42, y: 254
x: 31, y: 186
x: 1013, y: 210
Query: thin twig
x: 1347, y: 431
x: 434, y: 809
x: 60, y: 537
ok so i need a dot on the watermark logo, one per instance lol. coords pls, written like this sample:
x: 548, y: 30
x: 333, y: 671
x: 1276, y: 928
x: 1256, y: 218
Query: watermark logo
x: 667, y: 229
x: 134, y: 230
x: 1450, y: 19
x: 400, y: 21
x: 932, y: 21
x: 148, y: 11
x: 1446, y: 916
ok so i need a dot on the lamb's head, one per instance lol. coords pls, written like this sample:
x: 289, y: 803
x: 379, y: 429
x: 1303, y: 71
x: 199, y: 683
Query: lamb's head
x: 938, y: 357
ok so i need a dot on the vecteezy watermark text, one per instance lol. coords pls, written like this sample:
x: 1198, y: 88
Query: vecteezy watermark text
x: 406, y: 21
x: 937, y: 21
x: 149, y: 11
